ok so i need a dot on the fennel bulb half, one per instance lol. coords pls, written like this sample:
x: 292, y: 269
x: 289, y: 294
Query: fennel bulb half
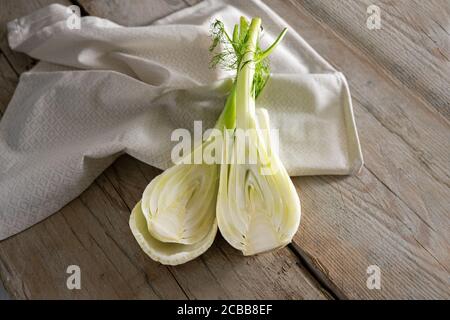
x: 165, y: 252
x: 258, y: 208
x: 254, y: 204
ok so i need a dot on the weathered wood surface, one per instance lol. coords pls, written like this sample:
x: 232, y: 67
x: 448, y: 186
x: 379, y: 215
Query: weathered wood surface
x: 412, y: 48
x: 92, y: 232
x: 395, y: 214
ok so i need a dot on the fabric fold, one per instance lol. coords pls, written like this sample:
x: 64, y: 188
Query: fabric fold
x: 106, y: 89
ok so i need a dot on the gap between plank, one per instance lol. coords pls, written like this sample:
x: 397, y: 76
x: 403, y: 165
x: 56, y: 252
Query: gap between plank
x: 322, y: 281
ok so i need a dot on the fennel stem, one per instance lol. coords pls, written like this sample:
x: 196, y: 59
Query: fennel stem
x: 245, y: 99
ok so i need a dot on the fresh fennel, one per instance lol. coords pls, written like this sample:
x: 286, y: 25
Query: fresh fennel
x: 256, y: 211
x: 255, y: 205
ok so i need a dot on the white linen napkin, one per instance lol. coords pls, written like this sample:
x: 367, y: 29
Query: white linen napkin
x: 105, y: 90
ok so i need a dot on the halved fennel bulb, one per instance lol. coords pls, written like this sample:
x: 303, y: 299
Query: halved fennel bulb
x: 179, y: 204
x: 258, y: 208
x: 254, y: 204
x: 167, y: 253
x: 175, y: 221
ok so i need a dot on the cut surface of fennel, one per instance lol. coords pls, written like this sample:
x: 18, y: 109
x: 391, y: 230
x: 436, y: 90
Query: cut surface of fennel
x: 176, y: 219
x: 182, y: 208
x: 258, y: 208
x: 163, y: 252
x: 179, y: 205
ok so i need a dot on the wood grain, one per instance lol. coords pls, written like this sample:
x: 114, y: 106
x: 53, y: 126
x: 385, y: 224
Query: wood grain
x: 412, y: 46
x: 33, y: 263
x: 92, y: 232
x: 3, y: 294
x: 395, y: 214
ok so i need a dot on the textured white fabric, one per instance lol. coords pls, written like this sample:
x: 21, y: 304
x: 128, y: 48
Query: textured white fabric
x: 105, y: 90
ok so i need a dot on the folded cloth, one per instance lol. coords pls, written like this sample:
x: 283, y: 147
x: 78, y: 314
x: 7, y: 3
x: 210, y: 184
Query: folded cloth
x: 104, y: 89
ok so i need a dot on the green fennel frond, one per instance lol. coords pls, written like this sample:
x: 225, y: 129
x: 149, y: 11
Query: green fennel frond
x: 231, y: 50
x: 228, y: 57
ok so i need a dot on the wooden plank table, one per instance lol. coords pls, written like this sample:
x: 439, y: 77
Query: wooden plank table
x: 395, y: 214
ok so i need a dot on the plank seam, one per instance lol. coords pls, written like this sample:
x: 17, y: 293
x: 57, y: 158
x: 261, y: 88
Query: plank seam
x: 169, y: 268
x: 323, y: 282
x: 115, y: 189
